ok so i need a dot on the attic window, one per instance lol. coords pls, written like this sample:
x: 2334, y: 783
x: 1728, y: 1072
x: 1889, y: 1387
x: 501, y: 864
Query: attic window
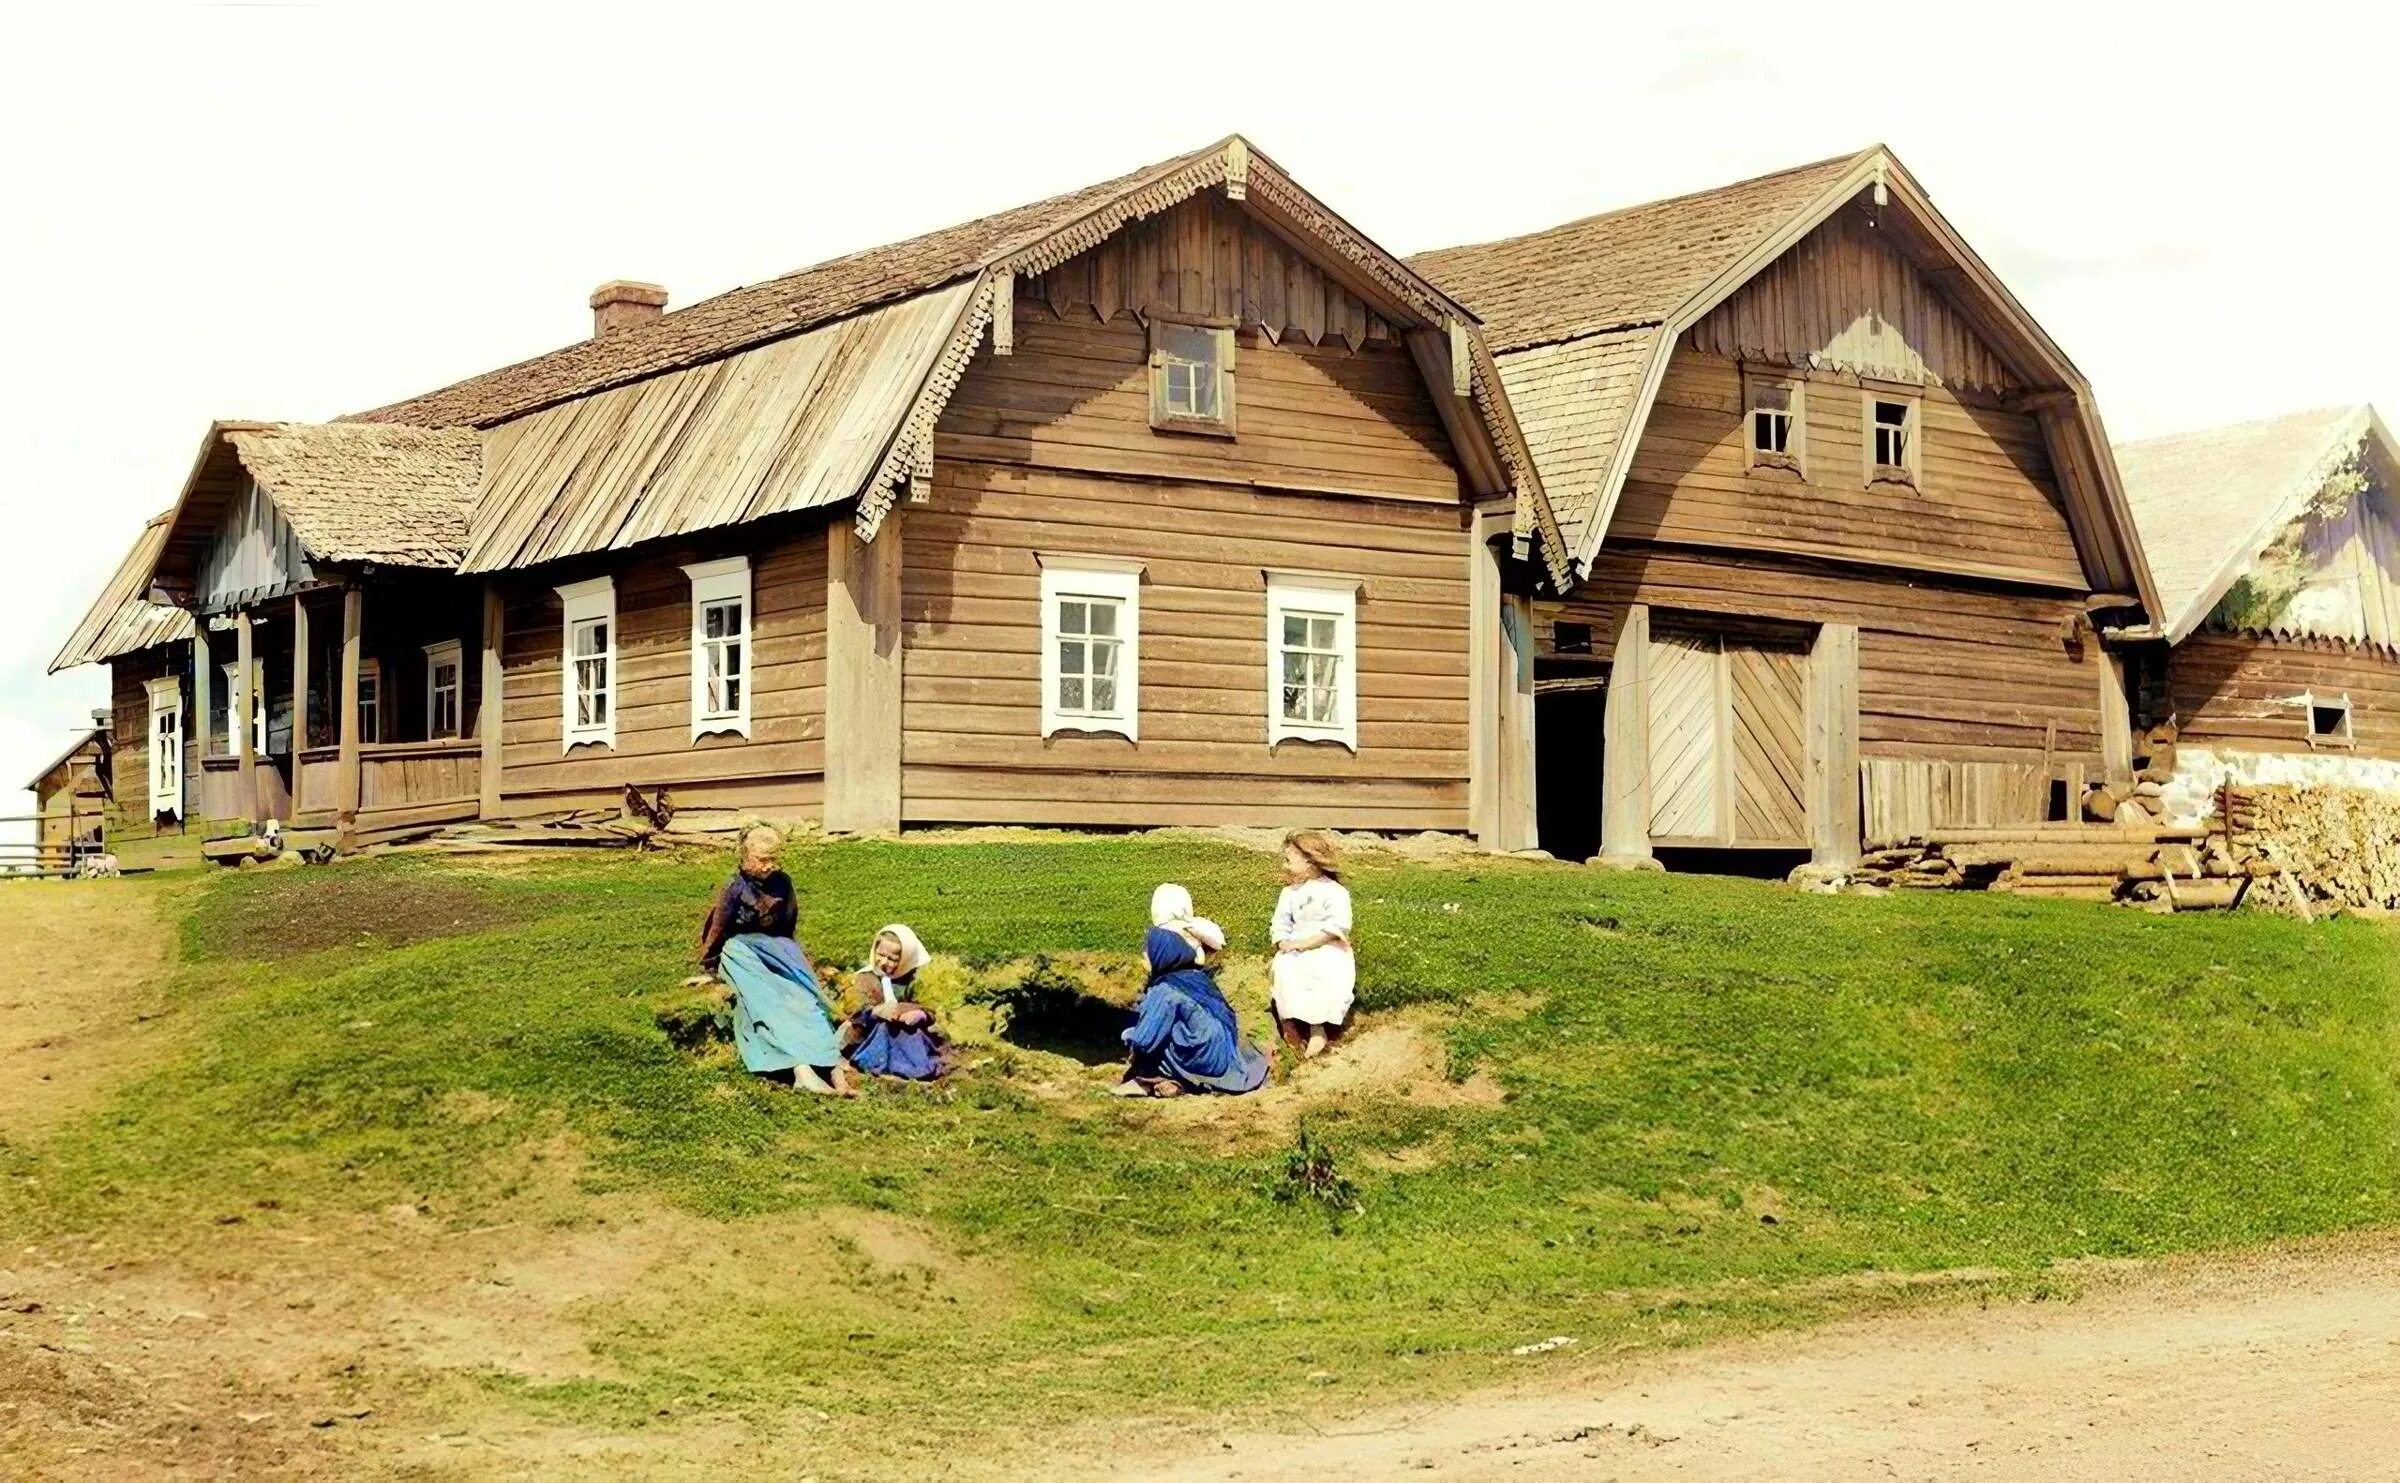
x: 2329, y: 721
x: 1191, y: 377
x: 1776, y: 428
x: 1891, y: 439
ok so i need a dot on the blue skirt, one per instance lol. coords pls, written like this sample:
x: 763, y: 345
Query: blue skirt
x: 779, y: 1017
x: 913, y: 1053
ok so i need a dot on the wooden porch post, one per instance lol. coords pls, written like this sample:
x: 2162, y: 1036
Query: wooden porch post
x: 1518, y: 827
x: 862, y: 679
x: 1833, y: 808
x: 245, y: 699
x: 345, y: 788
x: 2116, y: 727
x: 1625, y: 758
x: 1483, y: 687
x: 299, y: 694
x: 489, y: 714
x: 203, y: 660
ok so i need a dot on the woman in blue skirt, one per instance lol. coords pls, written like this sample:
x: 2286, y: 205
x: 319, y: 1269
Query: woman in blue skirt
x: 780, y: 1021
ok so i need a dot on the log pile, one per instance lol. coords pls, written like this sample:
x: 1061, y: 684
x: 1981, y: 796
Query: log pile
x: 2166, y: 868
x: 2337, y: 845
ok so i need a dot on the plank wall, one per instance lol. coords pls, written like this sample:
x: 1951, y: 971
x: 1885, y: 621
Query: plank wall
x: 777, y: 771
x: 2238, y: 691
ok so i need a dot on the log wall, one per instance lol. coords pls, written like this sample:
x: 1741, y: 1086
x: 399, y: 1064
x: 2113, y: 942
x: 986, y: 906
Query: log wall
x: 2236, y: 691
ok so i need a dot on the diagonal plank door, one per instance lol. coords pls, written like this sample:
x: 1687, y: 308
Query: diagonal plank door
x: 1769, y: 751
x: 1686, y: 741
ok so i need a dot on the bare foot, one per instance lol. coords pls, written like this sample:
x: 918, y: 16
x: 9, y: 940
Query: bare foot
x: 1129, y: 1088
x: 1166, y: 1089
x: 1315, y: 1046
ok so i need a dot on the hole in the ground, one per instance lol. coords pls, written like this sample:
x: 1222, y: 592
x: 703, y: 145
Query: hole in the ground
x: 1044, y: 1009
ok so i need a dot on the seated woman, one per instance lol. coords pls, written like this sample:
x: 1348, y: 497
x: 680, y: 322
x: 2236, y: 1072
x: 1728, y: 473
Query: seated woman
x: 780, y: 1022
x: 1184, y: 1038
x: 889, y: 1033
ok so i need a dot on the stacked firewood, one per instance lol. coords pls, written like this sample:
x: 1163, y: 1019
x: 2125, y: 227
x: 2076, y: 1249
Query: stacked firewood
x: 2140, y: 802
x: 2341, y: 845
x: 2170, y: 869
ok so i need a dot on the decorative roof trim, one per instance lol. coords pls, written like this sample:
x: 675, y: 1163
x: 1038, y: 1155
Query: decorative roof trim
x: 912, y: 446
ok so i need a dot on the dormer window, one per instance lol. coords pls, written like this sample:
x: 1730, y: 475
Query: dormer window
x: 1191, y: 377
x: 1776, y: 427
x: 1891, y: 438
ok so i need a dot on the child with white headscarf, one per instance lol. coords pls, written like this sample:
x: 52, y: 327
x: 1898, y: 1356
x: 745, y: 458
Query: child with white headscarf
x: 889, y: 1033
x: 1171, y: 907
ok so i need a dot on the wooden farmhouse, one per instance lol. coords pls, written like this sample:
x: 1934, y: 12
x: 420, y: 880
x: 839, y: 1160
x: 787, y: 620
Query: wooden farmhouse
x: 71, y: 797
x: 2277, y: 550
x: 1171, y: 500
x: 148, y: 650
x: 1845, y: 530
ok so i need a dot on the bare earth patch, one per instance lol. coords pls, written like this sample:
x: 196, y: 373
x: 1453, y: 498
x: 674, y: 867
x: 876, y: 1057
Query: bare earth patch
x: 80, y: 964
x: 2280, y: 1364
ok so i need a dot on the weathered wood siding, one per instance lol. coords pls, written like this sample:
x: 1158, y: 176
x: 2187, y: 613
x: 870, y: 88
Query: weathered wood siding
x: 1340, y: 466
x: 1987, y: 505
x: 776, y: 771
x: 254, y: 554
x: 2239, y: 691
x: 129, y: 713
x: 1945, y: 670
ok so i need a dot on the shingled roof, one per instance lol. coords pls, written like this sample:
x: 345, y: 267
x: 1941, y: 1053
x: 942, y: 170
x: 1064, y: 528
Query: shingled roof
x: 1584, y: 318
x: 362, y: 492
x: 2210, y: 501
x: 760, y: 312
x: 120, y: 622
x: 1622, y: 269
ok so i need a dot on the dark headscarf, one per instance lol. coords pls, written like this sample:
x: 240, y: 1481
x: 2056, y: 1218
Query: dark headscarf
x: 1176, y: 964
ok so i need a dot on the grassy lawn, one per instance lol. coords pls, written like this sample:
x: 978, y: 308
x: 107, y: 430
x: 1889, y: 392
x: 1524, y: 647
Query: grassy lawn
x: 1718, y: 1096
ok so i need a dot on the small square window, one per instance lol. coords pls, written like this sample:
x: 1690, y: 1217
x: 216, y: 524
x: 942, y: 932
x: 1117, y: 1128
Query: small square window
x: 2329, y: 721
x: 1776, y: 430
x: 1191, y: 377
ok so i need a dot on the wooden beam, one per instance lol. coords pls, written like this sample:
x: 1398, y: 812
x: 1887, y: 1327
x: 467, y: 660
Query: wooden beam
x: 490, y: 712
x: 1834, y: 821
x: 2116, y: 727
x: 1483, y: 680
x: 1625, y: 754
x: 345, y: 786
x: 862, y: 679
x: 1479, y: 461
x: 203, y: 682
x: 1519, y: 828
x: 245, y: 701
x: 1237, y: 168
x: 1004, y: 313
x: 1462, y: 361
x: 299, y: 689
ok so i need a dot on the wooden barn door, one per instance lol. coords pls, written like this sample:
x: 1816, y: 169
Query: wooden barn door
x: 1728, y: 740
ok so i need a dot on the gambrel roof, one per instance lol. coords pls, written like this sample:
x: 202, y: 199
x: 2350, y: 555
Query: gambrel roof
x: 2211, y: 501
x: 121, y: 621
x: 823, y: 386
x: 1584, y: 318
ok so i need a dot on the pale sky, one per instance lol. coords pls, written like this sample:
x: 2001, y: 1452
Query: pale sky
x: 293, y: 211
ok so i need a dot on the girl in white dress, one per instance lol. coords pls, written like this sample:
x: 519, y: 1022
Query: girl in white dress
x: 1315, y: 974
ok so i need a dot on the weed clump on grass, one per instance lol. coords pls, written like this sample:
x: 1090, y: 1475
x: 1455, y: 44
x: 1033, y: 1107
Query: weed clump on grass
x: 1310, y: 1175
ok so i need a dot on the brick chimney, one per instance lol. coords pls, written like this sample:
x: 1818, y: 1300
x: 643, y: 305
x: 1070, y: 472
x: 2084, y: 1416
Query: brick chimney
x: 620, y: 304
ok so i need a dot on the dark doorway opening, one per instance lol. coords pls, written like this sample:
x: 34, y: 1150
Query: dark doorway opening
x: 1755, y: 864
x: 1570, y: 701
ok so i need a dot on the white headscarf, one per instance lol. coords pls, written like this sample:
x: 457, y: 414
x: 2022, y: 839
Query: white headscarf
x: 912, y: 952
x: 1171, y: 907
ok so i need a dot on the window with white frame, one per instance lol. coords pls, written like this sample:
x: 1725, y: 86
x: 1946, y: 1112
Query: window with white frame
x: 1777, y: 423
x: 588, y: 668
x: 442, y: 691
x: 1091, y: 644
x: 2328, y: 720
x: 1312, y: 658
x: 720, y: 645
x: 258, y: 707
x: 370, y: 700
x: 166, y: 746
x: 1891, y: 438
x: 1191, y: 377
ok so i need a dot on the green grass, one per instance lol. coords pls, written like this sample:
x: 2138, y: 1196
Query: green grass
x: 1718, y: 1092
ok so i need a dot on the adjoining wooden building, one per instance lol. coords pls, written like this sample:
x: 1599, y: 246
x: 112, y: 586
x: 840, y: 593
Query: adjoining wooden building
x: 147, y: 647
x: 2277, y: 549
x: 71, y: 798
x: 1845, y: 528
x: 1171, y: 500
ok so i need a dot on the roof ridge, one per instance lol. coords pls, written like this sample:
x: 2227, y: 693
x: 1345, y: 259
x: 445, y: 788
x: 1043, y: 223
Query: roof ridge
x: 1632, y: 206
x: 2347, y: 409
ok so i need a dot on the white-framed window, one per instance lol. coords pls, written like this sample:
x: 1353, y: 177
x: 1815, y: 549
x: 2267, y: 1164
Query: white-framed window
x: 1191, y: 377
x: 370, y: 700
x: 588, y: 664
x: 2328, y: 720
x: 1890, y: 437
x: 1091, y: 644
x: 1777, y: 433
x: 166, y: 746
x: 443, y: 693
x: 1312, y: 658
x: 258, y: 706
x: 720, y: 645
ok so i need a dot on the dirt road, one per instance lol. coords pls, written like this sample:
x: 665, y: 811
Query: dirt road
x: 2283, y: 1365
